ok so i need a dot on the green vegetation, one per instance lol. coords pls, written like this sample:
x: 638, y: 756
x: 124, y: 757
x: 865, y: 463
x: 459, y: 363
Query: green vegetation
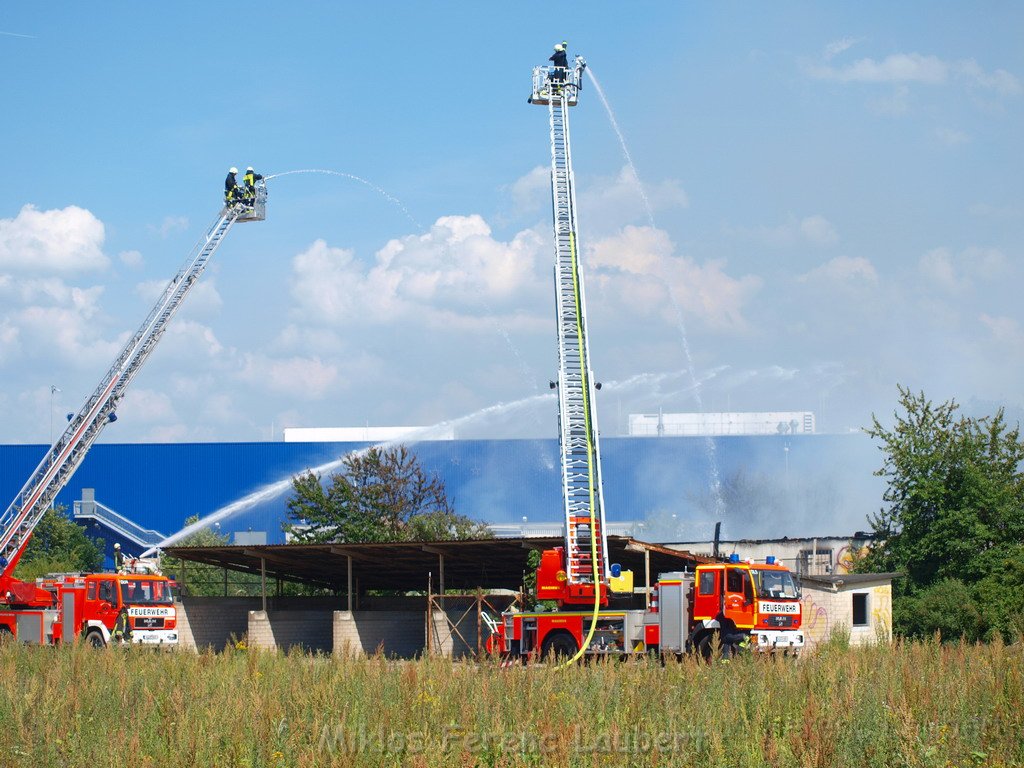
x: 954, y: 521
x: 381, y: 495
x: 202, y: 579
x: 911, y: 704
x: 59, y: 545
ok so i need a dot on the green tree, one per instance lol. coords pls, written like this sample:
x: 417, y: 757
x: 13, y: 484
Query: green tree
x: 59, y: 545
x: 203, y: 579
x: 381, y: 495
x: 954, y: 515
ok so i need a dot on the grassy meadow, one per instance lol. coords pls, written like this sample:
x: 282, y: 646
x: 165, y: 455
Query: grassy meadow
x: 905, y: 705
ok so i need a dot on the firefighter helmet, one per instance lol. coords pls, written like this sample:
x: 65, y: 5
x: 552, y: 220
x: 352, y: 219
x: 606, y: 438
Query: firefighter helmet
x: 232, y: 169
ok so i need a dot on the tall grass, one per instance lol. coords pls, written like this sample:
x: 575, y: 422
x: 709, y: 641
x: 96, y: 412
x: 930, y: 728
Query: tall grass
x: 920, y: 704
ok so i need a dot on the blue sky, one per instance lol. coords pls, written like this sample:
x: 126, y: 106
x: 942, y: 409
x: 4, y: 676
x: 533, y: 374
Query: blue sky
x: 835, y: 206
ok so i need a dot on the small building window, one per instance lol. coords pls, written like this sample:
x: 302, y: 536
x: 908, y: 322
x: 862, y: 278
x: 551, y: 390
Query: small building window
x: 860, y: 609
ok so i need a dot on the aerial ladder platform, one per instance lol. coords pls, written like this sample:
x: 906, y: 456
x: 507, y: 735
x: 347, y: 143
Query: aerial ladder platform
x: 66, y: 454
x: 586, y: 545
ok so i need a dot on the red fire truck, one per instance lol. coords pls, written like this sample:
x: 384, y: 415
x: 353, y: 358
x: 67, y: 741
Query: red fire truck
x: 734, y: 602
x: 62, y: 608
x: 66, y: 607
x: 730, y: 605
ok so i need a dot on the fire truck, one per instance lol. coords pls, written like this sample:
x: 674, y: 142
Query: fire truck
x: 729, y: 605
x: 65, y: 607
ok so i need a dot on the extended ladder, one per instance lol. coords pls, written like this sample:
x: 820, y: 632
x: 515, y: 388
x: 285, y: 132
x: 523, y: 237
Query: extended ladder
x: 577, y: 417
x: 67, y: 453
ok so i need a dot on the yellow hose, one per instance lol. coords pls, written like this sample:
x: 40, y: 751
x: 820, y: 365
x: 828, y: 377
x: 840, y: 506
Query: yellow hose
x: 590, y: 461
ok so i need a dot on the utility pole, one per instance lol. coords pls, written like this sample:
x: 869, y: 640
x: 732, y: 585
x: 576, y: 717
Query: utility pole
x: 53, y: 390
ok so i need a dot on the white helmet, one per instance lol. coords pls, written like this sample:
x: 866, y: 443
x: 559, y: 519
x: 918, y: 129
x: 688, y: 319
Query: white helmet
x: 248, y: 169
x: 117, y: 546
x: 232, y: 169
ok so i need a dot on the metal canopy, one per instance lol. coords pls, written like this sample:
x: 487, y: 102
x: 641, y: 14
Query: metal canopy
x: 485, y: 563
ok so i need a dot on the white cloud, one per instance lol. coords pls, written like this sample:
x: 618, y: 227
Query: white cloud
x: 306, y: 378
x: 8, y: 338
x: 910, y: 68
x: 455, y: 273
x: 610, y: 203
x: 642, y: 264
x: 189, y: 340
x: 1005, y: 330
x: 531, y: 192
x: 957, y: 272
x: 818, y: 230
x: 837, y: 47
x: 895, y: 68
x: 66, y: 330
x: 999, y: 80
x: 56, y: 241
x: 842, y: 270
x: 147, y: 406
x: 937, y: 267
x: 130, y: 258
x: 171, y: 224
x: 814, y: 230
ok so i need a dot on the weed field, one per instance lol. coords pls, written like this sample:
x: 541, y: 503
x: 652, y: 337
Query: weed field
x: 905, y: 705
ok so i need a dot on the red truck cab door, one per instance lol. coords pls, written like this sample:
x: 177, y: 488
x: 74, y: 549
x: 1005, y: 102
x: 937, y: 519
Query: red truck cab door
x: 706, y: 595
x: 740, y: 605
x: 102, y: 601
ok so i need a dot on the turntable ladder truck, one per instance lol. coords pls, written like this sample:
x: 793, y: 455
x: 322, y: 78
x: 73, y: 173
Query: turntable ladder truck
x: 686, y: 610
x: 64, y: 607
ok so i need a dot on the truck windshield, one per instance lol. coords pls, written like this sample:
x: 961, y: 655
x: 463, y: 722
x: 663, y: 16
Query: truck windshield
x: 775, y: 584
x: 145, y: 592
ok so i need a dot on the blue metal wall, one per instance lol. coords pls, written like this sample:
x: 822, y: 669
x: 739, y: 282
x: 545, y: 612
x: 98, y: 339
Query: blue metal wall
x: 501, y: 481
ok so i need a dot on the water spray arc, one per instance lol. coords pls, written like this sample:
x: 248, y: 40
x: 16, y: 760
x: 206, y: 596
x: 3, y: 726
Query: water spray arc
x: 278, y: 487
x: 390, y: 198
x: 709, y: 444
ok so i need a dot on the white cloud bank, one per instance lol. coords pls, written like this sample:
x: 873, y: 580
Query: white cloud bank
x: 914, y: 68
x: 63, y: 241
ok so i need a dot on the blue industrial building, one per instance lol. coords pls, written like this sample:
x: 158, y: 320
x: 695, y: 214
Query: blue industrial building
x: 668, y: 488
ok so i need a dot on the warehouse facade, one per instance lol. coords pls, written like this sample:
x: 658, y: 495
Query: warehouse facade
x: 771, y: 486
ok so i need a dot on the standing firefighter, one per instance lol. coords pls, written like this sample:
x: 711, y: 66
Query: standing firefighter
x: 232, y: 192
x: 118, y: 559
x: 122, y: 632
x: 250, y: 179
x: 561, y: 61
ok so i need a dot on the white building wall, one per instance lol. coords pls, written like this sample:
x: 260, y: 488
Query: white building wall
x: 366, y: 434
x: 827, y: 612
x: 723, y: 423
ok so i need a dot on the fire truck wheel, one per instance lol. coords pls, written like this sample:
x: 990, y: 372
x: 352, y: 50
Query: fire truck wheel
x: 95, y: 639
x: 561, y: 645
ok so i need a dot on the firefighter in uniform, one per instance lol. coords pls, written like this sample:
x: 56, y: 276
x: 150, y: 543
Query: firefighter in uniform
x: 232, y: 192
x: 561, y: 61
x: 122, y: 628
x: 118, y: 559
x: 250, y: 179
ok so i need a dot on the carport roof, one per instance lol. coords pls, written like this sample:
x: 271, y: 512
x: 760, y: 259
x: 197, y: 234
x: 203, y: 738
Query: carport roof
x: 485, y: 563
